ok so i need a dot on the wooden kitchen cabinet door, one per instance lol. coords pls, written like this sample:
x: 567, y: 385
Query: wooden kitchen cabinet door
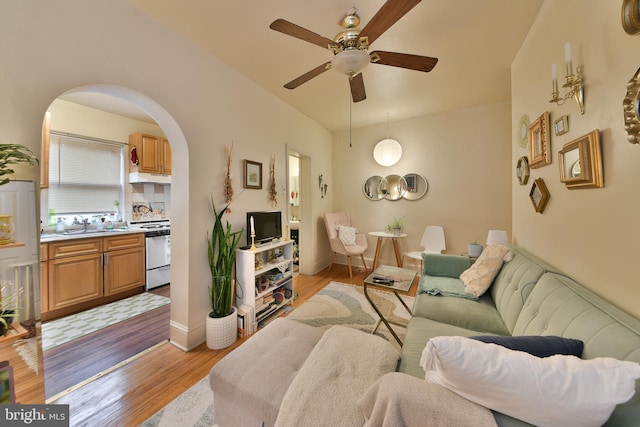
x: 74, y: 280
x: 153, y: 153
x: 123, y: 270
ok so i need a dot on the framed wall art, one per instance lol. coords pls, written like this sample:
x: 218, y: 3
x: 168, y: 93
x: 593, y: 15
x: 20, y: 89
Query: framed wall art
x: 581, y: 162
x: 539, y: 142
x: 561, y: 125
x: 252, y: 177
x: 539, y: 195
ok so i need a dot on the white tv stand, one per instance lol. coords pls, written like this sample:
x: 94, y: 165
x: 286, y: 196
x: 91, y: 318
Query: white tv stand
x: 264, y: 302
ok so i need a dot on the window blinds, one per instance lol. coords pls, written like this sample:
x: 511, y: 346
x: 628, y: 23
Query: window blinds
x: 85, y: 174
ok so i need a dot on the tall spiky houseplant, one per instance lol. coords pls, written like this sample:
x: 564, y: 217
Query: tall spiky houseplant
x: 222, y: 244
x: 11, y: 154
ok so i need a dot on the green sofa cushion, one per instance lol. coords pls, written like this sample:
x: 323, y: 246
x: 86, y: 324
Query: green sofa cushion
x: 443, y: 265
x: 480, y: 315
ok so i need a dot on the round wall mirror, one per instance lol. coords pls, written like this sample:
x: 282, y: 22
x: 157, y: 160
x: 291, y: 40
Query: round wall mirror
x: 396, y: 187
x: 417, y: 186
x: 387, y: 152
x: 375, y: 187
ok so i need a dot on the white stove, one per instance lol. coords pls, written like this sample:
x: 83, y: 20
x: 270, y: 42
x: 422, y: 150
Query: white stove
x: 158, y: 250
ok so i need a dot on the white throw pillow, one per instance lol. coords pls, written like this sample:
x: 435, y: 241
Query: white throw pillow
x: 347, y: 235
x: 480, y: 275
x: 552, y: 391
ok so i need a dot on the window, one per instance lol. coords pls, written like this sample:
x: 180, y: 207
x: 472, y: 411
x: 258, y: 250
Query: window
x: 85, y: 174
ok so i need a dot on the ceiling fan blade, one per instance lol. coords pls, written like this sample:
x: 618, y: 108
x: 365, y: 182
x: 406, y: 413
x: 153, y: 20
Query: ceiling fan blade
x: 388, y: 15
x: 404, y: 60
x: 298, y: 32
x: 357, y: 88
x: 307, y: 76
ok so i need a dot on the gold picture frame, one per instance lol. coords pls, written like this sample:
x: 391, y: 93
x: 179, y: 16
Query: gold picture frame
x: 539, y: 142
x: 539, y: 195
x: 581, y: 162
x: 561, y: 125
x: 252, y: 177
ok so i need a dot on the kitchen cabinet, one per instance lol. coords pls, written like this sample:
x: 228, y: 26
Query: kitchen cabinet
x: 75, y: 272
x: 153, y: 154
x: 87, y: 272
x: 123, y: 263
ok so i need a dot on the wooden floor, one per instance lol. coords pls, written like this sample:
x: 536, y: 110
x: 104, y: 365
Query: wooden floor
x: 134, y: 392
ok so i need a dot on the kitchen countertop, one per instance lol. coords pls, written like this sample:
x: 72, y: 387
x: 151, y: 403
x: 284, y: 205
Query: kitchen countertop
x: 51, y: 237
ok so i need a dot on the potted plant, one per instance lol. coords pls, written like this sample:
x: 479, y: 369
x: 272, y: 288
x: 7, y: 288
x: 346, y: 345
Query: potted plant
x: 475, y: 248
x: 394, y: 227
x: 222, y: 244
x: 11, y: 154
x: 8, y: 307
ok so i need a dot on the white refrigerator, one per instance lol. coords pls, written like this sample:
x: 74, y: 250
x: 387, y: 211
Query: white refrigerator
x: 19, y: 264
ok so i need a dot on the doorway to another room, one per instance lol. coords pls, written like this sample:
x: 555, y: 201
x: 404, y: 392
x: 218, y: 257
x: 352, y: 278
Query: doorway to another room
x: 298, y: 208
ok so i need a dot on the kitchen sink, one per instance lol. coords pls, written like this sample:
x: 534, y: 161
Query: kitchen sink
x: 66, y: 233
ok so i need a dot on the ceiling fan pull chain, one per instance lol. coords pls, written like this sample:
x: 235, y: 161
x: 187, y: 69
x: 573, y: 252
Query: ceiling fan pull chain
x: 350, y: 104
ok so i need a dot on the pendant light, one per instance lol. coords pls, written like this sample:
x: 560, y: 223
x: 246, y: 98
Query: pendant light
x: 388, y: 151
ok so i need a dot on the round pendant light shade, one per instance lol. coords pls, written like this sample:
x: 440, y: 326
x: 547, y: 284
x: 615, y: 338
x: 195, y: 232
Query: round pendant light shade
x: 387, y: 152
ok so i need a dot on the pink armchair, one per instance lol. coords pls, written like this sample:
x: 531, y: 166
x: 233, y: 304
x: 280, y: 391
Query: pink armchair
x: 332, y: 221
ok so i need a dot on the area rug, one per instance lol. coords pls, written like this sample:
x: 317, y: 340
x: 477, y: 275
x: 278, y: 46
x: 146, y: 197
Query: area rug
x: 344, y: 304
x: 78, y: 325
x: 336, y: 304
x: 193, y: 408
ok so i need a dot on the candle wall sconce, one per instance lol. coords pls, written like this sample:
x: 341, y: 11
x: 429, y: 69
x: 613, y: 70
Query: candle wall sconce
x: 573, y: 82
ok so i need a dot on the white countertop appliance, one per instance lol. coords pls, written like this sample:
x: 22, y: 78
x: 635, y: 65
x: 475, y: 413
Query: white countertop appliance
x: 158, y: 250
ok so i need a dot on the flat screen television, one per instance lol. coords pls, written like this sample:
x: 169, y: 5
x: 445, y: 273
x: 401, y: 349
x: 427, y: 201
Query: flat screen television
x: 267, y: 225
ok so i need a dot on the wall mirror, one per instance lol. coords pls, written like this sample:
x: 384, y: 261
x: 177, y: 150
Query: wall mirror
x: 374, y: 188
x: 631, y: 107
x: 417, y: 186
x: 522, y: 170
x: 396, y: 187
x: 539, y: 142
x: 581, y: 162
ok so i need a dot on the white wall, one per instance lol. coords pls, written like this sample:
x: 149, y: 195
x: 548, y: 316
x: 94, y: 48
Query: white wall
x: 590, y: 234
x: 200, y: 103
x: 465, y: 157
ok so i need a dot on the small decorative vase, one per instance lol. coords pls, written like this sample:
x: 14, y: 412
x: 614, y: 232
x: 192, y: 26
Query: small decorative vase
x: 222, y: 331
x: 7, y: 229
x: 397, y: 231
x: 475, y: 250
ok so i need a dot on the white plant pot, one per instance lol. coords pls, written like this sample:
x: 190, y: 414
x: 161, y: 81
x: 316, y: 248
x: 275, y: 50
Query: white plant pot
x: 222, y: 331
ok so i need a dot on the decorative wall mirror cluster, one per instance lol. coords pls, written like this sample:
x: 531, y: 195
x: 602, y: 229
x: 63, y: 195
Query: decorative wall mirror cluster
x: 395, y: 187
x: 581, y: 162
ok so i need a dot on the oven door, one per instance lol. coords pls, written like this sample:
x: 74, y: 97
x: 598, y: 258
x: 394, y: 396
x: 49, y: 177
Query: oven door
x: 158, y: 251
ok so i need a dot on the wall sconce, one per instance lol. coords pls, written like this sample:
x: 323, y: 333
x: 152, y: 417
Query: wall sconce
x: 572, y: 81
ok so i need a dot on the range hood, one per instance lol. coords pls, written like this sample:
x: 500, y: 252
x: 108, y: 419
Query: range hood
x: 152, y: 178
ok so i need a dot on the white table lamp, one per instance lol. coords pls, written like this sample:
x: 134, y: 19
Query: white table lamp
x: 497, y: 237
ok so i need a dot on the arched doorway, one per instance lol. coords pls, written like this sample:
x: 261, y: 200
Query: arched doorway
x: 180, y: 198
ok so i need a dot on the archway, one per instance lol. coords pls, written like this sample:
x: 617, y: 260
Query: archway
x: 180, y: 199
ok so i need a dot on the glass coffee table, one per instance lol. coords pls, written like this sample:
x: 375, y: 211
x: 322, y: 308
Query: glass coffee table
x: 394, y: 279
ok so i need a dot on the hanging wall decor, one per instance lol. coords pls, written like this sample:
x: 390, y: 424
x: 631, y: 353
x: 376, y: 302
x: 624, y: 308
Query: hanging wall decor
x: 228, y: 187
x: 272, y: 181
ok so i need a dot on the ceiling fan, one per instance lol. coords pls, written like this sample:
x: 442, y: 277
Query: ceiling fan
x: 350, y: 47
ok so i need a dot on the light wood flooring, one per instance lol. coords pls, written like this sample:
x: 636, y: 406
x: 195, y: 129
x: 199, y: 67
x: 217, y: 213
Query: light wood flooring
x: 134, y: 392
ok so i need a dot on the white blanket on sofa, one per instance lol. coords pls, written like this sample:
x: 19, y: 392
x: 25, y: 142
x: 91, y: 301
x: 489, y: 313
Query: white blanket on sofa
x: 339, y: 369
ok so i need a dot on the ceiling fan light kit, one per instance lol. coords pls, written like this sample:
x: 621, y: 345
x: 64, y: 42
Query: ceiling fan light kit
x: 350, y: 46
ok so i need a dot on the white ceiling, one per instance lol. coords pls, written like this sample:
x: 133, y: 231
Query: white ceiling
x: 474, y: 40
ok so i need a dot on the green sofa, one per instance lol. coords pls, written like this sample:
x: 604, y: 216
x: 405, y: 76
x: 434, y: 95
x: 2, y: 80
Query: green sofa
x: 527, y: 297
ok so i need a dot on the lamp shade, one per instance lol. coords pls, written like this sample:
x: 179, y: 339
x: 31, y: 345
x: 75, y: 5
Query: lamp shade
x: 387, y: 152
x: 497, y: 237
x: 350, y: 61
